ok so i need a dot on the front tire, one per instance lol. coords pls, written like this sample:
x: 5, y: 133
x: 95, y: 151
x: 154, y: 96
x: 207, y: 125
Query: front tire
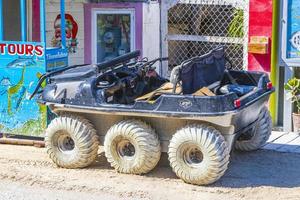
x: 198, y: 154
x: 132, y: 147
x: 71, y: 142
x: 256, y: 137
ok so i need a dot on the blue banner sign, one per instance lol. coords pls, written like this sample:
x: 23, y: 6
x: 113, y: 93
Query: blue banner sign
x: 21, y: 65
x: 57, y: 58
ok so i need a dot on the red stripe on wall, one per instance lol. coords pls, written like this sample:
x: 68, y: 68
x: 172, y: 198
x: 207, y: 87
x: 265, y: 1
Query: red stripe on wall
x: 260, y: 24
x: 36, y: 36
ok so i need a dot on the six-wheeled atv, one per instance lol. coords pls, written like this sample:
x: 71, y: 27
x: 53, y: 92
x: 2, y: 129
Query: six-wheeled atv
x: 197, y: 117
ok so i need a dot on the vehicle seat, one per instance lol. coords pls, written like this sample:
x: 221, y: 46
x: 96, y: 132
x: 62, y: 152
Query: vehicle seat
x: 200, y: 71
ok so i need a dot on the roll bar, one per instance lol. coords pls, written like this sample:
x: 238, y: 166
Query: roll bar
x: 101, y: 66
x: 118, y: 60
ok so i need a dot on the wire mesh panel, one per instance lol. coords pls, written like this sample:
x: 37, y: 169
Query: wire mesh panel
x: 194, y: 27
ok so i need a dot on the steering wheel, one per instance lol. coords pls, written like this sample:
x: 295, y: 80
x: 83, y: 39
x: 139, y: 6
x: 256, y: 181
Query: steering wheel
x: 103, y: 84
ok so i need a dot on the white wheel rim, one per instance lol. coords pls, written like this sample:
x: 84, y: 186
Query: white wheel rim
x: 192, y: 155
x: 65, y: 143
x: 126, y: 149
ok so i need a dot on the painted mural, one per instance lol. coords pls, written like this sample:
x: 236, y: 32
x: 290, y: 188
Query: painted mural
x: 21, y: 65
x: 293, y: 47
x: 71, y: 33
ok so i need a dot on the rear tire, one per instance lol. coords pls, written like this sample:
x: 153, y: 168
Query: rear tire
x: 71, y: 142
x: 198, y: 154
x: 260, y: 133
x: 132, y: 147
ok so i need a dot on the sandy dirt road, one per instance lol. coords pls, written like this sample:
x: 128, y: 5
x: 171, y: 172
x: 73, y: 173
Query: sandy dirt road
x: 27, y: 173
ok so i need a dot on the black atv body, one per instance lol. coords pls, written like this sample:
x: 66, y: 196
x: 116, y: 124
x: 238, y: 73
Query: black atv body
x: 112, y: 88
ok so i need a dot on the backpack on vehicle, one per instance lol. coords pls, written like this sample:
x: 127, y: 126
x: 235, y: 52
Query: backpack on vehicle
x: 200, y: 71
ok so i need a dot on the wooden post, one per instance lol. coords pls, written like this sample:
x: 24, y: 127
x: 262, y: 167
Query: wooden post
x: 164, y: 32
x: 63, y: 24
x: 274, y: 60
x: 43, y: 20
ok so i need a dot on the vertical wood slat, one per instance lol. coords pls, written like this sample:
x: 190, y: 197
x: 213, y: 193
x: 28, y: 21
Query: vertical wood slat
x: 1, y: 20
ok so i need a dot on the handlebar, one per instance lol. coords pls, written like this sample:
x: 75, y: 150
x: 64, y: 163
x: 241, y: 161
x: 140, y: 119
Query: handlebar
x: 152, y: 62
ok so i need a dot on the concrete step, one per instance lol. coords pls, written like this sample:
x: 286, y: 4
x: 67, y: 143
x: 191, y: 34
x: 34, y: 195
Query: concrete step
x: 283, y: 142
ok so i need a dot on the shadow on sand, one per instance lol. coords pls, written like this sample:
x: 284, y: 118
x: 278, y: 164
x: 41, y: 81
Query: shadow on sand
x: 249, y: 169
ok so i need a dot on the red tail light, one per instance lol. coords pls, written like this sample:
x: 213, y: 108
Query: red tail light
x: 237, y: 103
x: 269, y: 85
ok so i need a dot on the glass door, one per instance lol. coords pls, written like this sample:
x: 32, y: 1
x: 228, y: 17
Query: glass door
x: 112, y: 33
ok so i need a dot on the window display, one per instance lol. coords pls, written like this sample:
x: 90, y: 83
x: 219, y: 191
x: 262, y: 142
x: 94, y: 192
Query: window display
x: 114, y: 35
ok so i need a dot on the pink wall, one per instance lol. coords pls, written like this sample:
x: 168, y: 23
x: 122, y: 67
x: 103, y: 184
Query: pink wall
x: 260, y: 25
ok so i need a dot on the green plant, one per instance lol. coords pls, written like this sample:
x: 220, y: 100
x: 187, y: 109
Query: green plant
x: 293, y: 91
x: 236, y: 26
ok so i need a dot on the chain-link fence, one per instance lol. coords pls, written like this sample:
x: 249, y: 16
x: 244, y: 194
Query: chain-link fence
x: 193, y: 27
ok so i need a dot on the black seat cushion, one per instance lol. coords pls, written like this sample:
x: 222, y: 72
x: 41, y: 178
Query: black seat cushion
x: 202, y: 71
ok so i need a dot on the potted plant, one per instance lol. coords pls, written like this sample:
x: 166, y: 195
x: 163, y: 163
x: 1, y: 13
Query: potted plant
x: 293, y: 93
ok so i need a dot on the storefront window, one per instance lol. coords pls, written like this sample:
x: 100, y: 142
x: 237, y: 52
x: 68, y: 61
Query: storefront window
x: 114, y: 34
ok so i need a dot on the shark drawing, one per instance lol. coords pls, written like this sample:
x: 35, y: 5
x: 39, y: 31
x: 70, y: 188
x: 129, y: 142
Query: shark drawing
x: 21, y: 62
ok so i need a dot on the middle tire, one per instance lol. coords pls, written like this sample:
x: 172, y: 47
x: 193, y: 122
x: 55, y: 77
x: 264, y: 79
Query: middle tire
x: 132, y: 147
x: 198, y: 154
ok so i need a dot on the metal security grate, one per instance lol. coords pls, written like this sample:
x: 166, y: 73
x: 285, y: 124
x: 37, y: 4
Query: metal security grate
x: 193, y: 27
